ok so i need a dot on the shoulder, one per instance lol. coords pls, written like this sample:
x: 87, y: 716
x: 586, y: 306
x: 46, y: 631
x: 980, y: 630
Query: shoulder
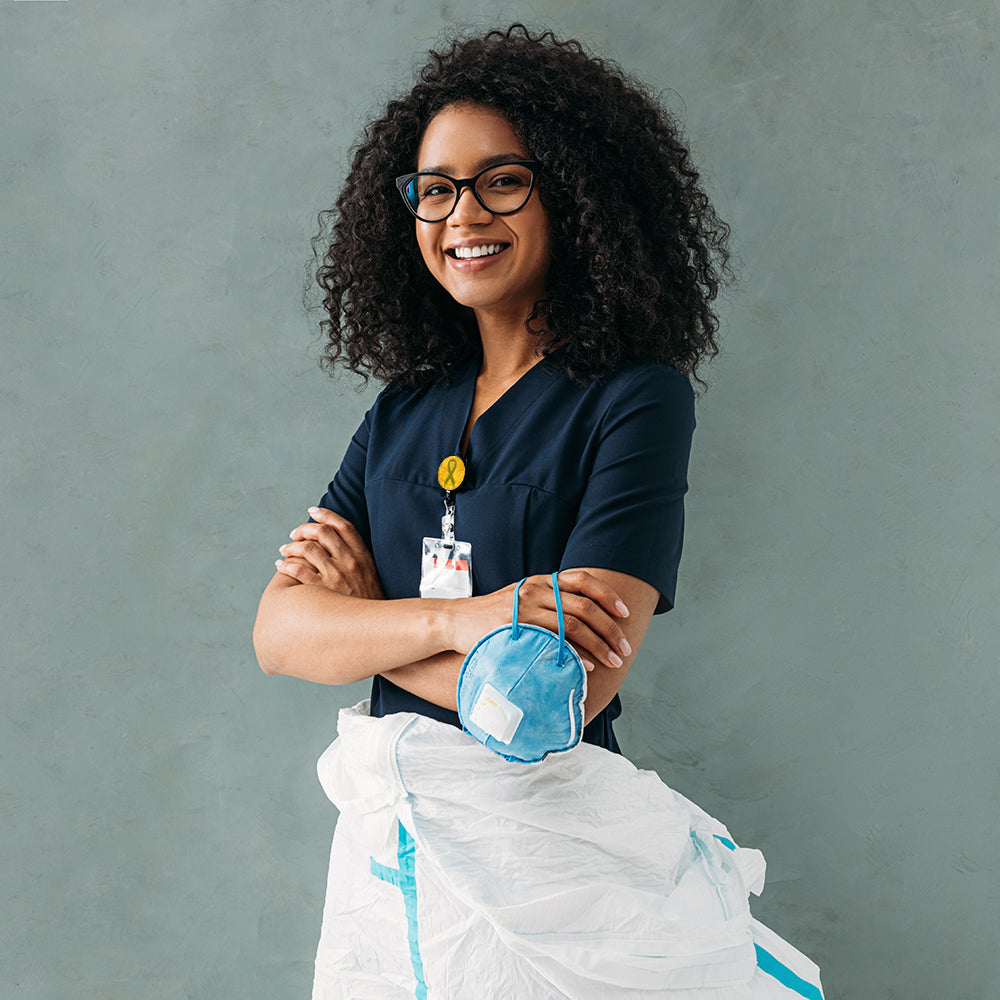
x: 649, y: 390
x: 401, y: 393
x: 650, y: 379
x: 398, y: 399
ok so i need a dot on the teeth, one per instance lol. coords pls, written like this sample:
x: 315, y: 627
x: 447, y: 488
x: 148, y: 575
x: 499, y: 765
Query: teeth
x: 468, y: 253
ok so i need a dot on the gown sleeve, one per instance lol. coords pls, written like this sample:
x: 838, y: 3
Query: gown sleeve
x: 346, y: 494
x: 631, y: 516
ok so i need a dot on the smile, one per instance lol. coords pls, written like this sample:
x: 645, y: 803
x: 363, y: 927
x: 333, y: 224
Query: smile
x: 471, y: 253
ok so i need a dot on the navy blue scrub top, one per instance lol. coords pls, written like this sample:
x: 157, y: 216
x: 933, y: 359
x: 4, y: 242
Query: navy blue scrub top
x: 557, y: 476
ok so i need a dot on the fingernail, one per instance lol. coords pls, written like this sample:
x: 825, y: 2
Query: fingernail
x: 313, y: 510
x: 281, y: 549
x: 625, y: 647
x: 622, y: 610
x: 588, y: 666
x: 614, y: 659
x: 278, y: 563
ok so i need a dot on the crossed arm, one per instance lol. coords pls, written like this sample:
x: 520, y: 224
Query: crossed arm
x: 324, y: 618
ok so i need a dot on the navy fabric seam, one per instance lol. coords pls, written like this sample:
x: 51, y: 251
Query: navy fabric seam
x: 498, y: 485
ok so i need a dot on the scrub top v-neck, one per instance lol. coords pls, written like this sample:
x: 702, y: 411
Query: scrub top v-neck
x: 558, y: 476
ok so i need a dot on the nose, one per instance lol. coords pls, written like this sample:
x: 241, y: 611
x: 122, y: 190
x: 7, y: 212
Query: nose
x: 468, y: 211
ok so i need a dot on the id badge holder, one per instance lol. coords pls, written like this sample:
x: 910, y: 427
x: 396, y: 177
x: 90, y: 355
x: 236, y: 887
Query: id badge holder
x: 446, y: 568
x: 446, y: 563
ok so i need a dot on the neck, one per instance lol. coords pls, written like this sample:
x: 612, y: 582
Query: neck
x: 508, y: 349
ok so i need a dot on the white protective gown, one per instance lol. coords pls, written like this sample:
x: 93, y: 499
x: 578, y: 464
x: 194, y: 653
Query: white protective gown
x: 457, y: 875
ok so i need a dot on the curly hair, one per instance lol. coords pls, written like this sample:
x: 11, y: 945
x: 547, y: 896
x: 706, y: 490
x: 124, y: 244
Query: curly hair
x: 638, y: 252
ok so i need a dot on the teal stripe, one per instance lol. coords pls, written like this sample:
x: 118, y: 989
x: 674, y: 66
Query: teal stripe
x: 391, y: 875
x: 766, y: 962
x: 404, y: 878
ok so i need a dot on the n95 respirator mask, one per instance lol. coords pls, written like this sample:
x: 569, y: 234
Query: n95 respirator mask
x: 522, y: 688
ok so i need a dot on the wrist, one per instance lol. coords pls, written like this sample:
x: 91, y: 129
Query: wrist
x: 442, y: 620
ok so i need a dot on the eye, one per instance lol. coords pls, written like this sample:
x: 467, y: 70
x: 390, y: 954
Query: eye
x: 435, y: 188
x: 507, y: 180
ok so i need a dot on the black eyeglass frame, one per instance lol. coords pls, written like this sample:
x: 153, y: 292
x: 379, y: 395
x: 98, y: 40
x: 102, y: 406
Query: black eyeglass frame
x: 534, y: 166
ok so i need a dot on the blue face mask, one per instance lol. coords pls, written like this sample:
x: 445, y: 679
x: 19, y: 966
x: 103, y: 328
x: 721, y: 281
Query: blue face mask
x: 522, y: 688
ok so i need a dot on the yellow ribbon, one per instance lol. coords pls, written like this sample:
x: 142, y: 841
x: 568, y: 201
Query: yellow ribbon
x: 451, y: 473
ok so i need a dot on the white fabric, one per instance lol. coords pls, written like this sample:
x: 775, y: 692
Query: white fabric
x: 580, y: 876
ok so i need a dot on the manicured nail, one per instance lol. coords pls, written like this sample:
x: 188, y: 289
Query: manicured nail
x: 625, y: 647
x: 313, y: 511
x: 622, y: 610
x: 614, y: 659
x: 588, y: 666
x: 278, y: 563
x: 281, y: 549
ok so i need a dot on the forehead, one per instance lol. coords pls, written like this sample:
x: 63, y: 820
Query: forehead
x: 462, y: 137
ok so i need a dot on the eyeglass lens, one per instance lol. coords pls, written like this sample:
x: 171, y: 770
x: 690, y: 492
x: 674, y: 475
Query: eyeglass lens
x: 501, y: 189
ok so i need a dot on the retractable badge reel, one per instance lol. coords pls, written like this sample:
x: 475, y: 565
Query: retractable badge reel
x: 522, y: 689
x: 446, y: 564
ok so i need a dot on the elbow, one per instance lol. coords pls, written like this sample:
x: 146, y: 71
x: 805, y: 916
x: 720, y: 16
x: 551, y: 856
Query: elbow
x: 267, y: 656
x: 269, y: 668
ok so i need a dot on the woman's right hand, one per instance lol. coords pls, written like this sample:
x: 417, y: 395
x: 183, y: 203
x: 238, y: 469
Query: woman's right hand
x: 591, y: 611
x: 328, y: 552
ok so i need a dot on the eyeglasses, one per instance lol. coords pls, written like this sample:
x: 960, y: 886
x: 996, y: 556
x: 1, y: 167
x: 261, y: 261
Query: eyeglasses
x: 502, y: 189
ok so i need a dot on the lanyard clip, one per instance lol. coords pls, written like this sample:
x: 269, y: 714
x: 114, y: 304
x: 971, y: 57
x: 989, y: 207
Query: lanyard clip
x: 448, y: 521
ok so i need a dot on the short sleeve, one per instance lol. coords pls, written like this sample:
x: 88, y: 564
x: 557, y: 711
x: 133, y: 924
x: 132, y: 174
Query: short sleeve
x: 346, y: 494
x: 631, y: 515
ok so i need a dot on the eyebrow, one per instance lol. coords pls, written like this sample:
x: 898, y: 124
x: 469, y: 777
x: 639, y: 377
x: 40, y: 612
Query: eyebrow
x: 482, y: 164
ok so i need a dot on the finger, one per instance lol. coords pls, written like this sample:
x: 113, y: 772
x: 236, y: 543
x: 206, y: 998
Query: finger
x: 297, y: 569
x: 589, y: 643
x: 347, y: 532
x: 585, y: 624
x: 332, y: 544
x: 311, y: 552
x: 341, y: 540
x: 581, y: 582
x: 598, y: 620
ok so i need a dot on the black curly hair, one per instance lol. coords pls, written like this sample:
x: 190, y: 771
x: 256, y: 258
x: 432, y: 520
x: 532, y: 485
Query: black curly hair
x: 638, y: 253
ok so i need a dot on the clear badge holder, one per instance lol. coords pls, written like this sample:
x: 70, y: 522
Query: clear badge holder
x: 446, y: 564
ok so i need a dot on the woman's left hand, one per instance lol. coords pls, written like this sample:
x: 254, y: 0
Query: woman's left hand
x: 330, y: 553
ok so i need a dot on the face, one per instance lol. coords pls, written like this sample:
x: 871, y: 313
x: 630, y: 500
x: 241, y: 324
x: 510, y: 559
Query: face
x: 460, y: 141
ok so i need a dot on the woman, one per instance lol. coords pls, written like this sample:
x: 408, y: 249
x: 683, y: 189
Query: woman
x: 536, y: 292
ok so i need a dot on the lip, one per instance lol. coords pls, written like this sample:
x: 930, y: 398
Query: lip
x: 474, y: 264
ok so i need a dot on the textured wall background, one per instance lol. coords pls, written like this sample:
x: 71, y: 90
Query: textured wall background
x: 827, y: 685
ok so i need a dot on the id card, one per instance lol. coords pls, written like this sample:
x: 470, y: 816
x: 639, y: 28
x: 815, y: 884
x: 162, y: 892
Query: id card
x: 446, y: 568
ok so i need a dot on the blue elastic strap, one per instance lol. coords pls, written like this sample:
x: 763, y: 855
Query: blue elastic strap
x: 515, y: 629
x: 404, y: 878
x: 559, y: 615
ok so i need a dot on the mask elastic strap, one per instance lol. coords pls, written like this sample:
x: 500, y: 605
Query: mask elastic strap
x: 559, y: 615
x: 515, y: 629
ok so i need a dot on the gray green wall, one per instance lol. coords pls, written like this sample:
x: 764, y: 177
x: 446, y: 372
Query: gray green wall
x: 827, y: 684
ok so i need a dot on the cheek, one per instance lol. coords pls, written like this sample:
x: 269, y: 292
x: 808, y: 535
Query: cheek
x: 427, y: 241
x: 541, y: 243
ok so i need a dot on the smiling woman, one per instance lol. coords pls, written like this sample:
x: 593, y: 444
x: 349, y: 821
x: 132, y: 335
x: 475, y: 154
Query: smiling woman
x: 537, y: 302
x: 494, y: 262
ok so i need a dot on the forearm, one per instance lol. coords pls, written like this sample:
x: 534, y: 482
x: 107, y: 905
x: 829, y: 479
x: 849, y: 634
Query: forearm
x: 434, y: 679
x: 320, y: 635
